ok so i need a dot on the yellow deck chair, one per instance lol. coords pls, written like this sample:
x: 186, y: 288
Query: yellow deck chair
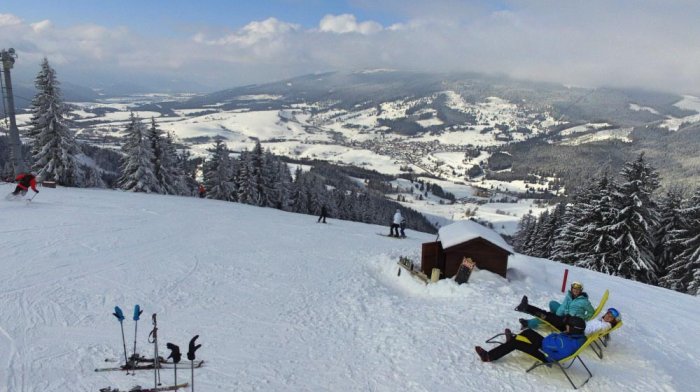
x: 565, y: 363
x: 602, y: 340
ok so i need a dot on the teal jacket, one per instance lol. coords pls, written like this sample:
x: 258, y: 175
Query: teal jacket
x: 579, y: 306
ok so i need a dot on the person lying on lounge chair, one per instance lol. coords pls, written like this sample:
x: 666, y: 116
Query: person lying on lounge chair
x: 553, y: 347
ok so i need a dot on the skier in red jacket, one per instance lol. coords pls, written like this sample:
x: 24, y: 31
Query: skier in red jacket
x: 24, y: 182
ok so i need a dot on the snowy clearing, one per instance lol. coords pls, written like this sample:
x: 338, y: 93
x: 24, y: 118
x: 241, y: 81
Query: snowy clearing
x: 282, y: 303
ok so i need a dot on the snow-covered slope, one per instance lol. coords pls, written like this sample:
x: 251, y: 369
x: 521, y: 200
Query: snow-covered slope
x: 282, y: 303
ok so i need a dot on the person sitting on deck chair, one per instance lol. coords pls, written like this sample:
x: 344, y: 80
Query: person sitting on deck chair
x: 575, y: 303
x: 553, y: 347
x: 609, y: 319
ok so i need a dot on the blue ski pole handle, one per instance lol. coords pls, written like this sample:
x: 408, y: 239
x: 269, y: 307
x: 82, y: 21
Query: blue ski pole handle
x: 137, y: 312
x: 118, y: 314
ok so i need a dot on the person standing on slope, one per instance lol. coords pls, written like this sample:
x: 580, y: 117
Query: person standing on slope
x: 402, y: 225
x: 395, y: 224
x: 323, y: 215
x: 24, y: 182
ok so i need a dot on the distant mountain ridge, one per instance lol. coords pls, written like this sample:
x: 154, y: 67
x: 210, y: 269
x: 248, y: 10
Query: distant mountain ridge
x: 360, y: 90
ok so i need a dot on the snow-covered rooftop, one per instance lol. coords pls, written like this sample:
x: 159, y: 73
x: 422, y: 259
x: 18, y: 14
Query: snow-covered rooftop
x: 467, y: 230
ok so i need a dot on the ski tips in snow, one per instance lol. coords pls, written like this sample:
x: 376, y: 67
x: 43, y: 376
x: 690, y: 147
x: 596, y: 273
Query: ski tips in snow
x: 138, y: 388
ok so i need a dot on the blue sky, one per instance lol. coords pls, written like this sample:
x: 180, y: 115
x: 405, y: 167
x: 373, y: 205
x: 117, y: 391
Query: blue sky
x: 219, y: 44
x: 179, y: 16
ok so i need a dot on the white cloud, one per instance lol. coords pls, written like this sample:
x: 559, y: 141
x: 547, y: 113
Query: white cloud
x: 9, y: 20
x: 347, y: 23
x: 40, y: 27
x: 591, y: 43
x: 251, y: 34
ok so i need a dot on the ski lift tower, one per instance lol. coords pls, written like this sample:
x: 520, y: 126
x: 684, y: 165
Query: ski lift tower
x: 8, y: 60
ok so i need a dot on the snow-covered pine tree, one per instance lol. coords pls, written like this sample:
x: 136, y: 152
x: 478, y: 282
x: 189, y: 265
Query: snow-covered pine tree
x: 282, y: 184
x: 538, y: 239
x: 164, y: 161
x: 634, y: 222
x: 251, y: 189
x: 54, y: 147
x: 294, y: 191
x: 269, y: 174
x: 174, y: 176
x: 598, y: 241
x: 670, y: 222
x: 218, y: 173
x: 684, y: 274
x: 575, y: 239
x: 137, y: 165
x: 546, y: 234
x: 188, y: 166
x: 523, y: 237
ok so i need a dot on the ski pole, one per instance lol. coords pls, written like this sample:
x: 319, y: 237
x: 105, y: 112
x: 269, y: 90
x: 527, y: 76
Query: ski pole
x: 191, y: 356
x: 32, y: 198
x: 156, y: 361
x: 137, y: 313
x: 175, y: 355
x: 120, y: 316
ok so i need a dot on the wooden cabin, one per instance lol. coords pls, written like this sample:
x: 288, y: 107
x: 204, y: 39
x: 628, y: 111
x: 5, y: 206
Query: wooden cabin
x: 465, y: 239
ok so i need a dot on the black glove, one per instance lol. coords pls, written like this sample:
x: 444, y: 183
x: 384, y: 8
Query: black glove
x: 174, y: 352
x: 36, y: 191
x: 193, y: 348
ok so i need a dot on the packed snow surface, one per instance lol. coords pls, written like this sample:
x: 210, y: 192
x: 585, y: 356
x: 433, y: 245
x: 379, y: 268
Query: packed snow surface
x: 282, y: 303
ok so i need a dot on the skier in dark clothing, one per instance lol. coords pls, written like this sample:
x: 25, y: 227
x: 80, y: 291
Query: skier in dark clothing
x: 553, y: 347
x: 24, y: 182
x: 324, y: 214
x: 202, y: 191
x: 402, y: 226
x: 395, y: 224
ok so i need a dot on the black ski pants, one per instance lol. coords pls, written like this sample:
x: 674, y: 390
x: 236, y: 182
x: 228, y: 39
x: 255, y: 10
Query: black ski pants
x: 556, y: 321
x: 532, y: 348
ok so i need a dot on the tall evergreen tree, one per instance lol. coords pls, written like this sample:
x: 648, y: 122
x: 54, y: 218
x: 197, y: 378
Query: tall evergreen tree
x: 54, y: 147
x: 165, y: 162
x: 251, y: 186
x: 684, y: 274
x: 596, y: 242
x: 575, y: 239
x: 670, y: 222
x: 218, y: 173
x: 137, y: 173
x: 173, y: 175
x: 546, y: 235
x: 635, y: 222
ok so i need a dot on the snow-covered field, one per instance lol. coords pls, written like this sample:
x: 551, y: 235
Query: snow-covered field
x: 282, y: 303
x: 688, y: 102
